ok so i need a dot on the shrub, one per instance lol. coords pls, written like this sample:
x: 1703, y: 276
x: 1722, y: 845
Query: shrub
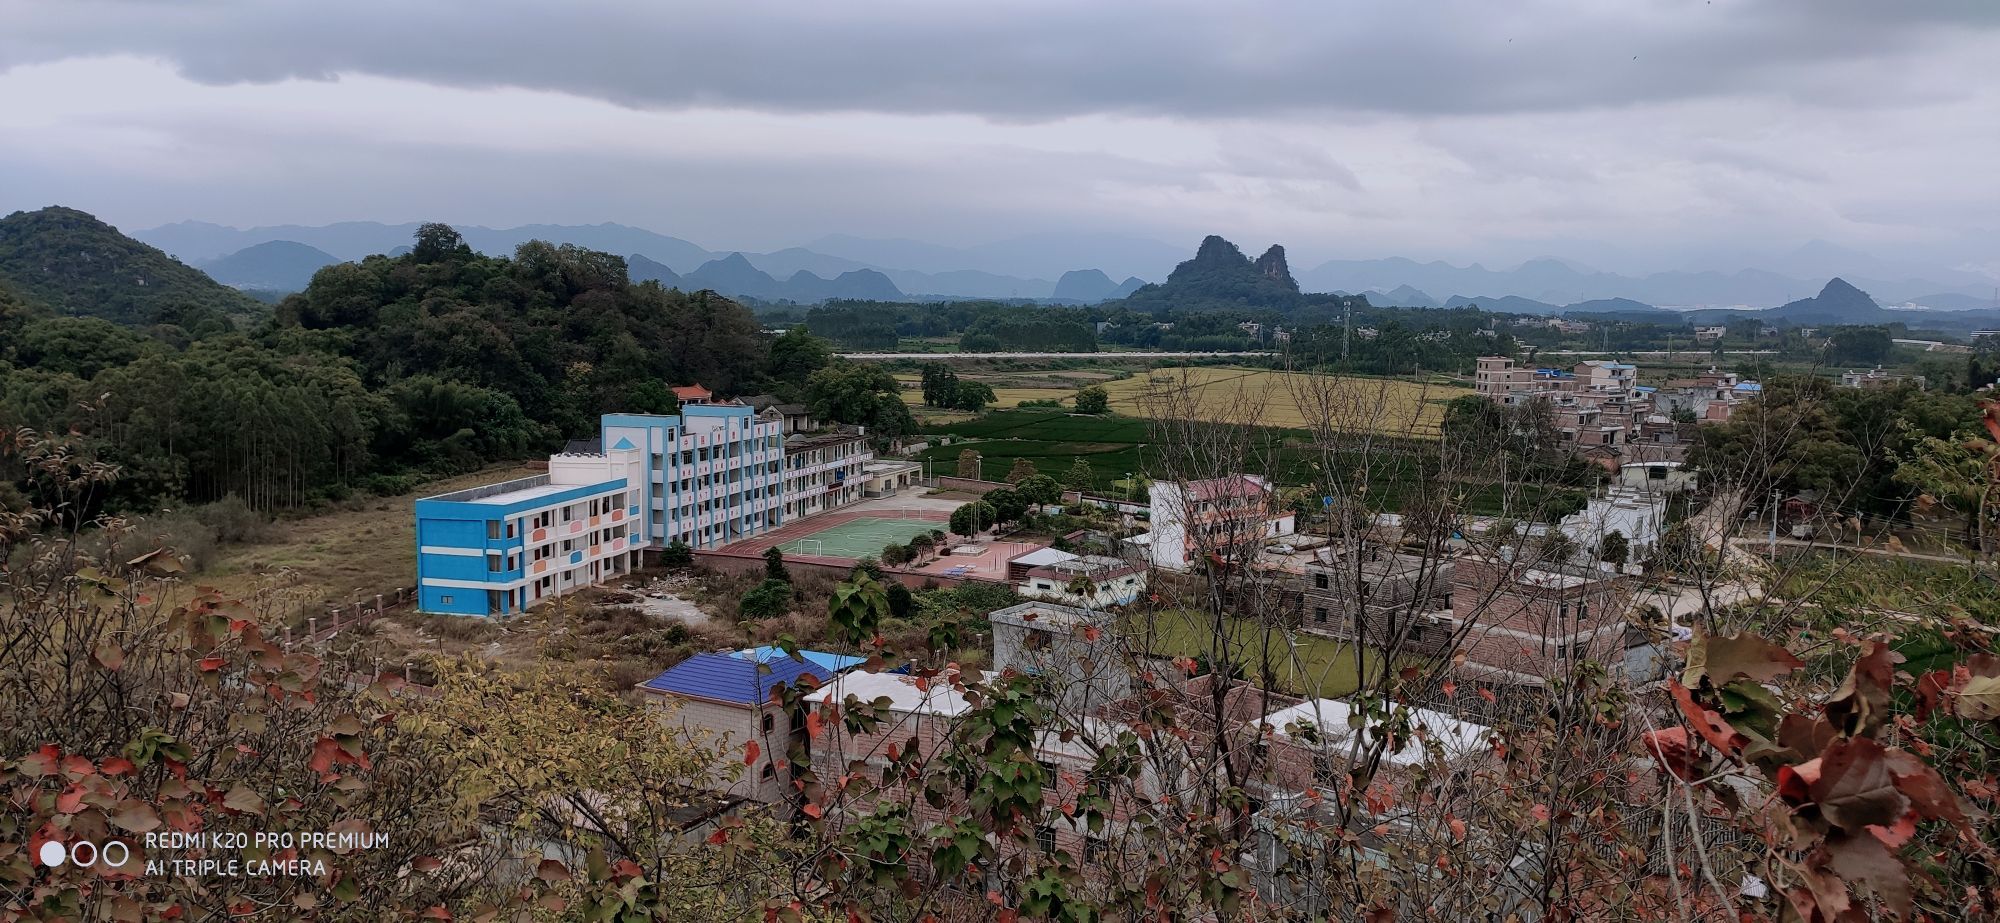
x: 893, y: 553
x: 769, y: 599
x: 677, y: 554
x: 774, y: 565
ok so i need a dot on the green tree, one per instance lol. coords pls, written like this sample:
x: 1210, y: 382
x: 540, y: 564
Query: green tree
x: 1022, y: 470
x: 796, y: 355
x: 1614, y: 549
x: 860, y: 394
x: 1094, y: 400
x: 971, y: 518
x: 768, y: 599
x: 940, y: 385
x: 1007, y: 504
x: 774, y: 565
x: 1039, y: 488
x: 1080, y: 475
x: 895, y: 554
x: 972, y: 396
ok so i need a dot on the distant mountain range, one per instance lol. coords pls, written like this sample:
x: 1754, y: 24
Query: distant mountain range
x: 276, y: 257
x: 272, y: 266
x: 1023, y: 267
x: 1405, y: 282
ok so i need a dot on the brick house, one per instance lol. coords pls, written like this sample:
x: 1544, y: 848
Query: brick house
x: 729, y: 698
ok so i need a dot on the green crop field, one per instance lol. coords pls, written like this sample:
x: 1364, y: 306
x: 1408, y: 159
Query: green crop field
x: 1117, y: 445
x: 1304, y: 664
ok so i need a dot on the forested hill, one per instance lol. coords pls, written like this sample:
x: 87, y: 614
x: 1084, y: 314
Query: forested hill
x: 71, y: 263
x: 394, y: 368
x: 1221, y: 278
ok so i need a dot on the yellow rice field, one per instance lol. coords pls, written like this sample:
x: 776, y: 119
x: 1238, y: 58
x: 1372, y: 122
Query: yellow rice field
x: 1392, y: 404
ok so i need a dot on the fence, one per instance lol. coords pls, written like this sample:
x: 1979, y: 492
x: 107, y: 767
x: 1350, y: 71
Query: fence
x: 970, y: 485
x: 355, y: 614
x: 737, y: 562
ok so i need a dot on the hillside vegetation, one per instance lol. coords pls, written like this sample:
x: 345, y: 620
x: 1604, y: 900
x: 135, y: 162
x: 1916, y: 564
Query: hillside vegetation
x: 71, y: 263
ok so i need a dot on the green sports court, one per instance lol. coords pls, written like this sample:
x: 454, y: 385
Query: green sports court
x: 862, y: 537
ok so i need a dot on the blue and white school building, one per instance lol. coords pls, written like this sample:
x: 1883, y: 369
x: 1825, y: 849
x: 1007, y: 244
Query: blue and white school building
x: 710, y: 475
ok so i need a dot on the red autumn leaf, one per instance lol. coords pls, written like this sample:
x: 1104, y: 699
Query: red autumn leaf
x: 436, y: 912
x: 1708, y: 724
x: 1486, y: 694
x: 1457, y: 828
x: 211, y: 664
x: 1091, y: 633
x: 1450, y: 689
x: 552, y: 870
x: 42, y: 762
x: 117, y: 766
x: 812, y: 810
x: 1855, y: 787
x: 1540, y: 812
x: 427, y: 863
x: 1931, y: 687
x: 1671, y: 748
x: 813, y: 724
x: 751, y: 752
x: 109, y: 656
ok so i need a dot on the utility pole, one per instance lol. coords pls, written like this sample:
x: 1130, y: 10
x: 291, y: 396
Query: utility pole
x: 1346, y: 326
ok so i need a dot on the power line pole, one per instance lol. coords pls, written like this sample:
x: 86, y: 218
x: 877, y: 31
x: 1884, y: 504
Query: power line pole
x: 1346, y: 326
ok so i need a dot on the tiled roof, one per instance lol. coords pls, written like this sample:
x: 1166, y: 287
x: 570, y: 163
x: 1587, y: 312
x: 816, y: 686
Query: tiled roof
x: 831, y: 662
x: 728, y: 678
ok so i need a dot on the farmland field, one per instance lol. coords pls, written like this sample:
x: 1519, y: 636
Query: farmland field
x: 1417, y: 405
x: 1306, y: 664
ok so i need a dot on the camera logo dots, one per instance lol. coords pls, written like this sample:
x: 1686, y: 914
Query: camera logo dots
x: 112, y: 854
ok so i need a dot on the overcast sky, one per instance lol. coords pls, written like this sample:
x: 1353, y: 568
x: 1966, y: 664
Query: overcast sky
x: 1641, y: 134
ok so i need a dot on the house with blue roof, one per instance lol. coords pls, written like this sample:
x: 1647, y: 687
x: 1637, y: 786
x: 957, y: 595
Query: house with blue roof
x: 731, y: 701
x: 833, y: 664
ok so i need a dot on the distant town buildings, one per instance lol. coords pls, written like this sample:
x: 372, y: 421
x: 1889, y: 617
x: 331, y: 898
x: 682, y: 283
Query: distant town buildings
x: 1611, y: 418
x: 1710, y: 334
x: 1876, y: 379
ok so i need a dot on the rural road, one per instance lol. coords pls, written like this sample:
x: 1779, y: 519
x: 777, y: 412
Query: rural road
x: 1096, y: 355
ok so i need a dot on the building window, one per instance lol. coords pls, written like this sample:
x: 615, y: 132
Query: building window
x: 770, y: 722
x: 1045, y: 839
x: 1319, y: 614
x: 770, y: 772
x: 444, y: 600
x: 1038, y: 640
x: 1319, y: 581
x: 492, y: 528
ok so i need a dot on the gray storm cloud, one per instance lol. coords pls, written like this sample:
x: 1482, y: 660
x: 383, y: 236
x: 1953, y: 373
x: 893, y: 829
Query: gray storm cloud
x: 1037, y: 60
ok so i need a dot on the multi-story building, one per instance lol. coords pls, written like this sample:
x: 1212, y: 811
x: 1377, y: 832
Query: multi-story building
x: 1380, y: 596
x: 714, y: 472
x: 1215, y: 516
x: 709, y: 475
x: 825, y: 472
x: 501, y: 548
x: 1531, y: 620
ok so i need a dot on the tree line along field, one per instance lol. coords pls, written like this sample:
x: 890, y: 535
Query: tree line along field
x: 1223, y: 388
